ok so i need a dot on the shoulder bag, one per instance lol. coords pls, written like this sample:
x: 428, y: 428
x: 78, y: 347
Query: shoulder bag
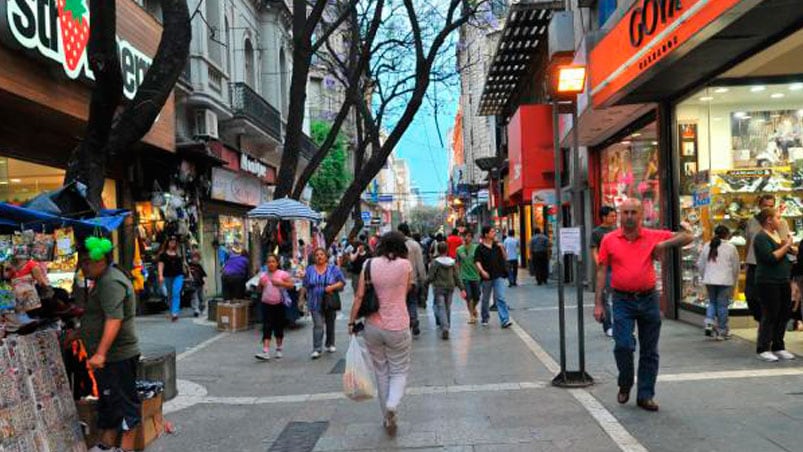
x: 331, y: 301
x: 370, y: 302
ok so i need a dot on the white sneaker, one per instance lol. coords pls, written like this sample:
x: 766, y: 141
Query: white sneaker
x: 768, y: 356
x: 783, y: 354
x: 278, y: 353
x: 315, y: 354
x: 264, y: 356
x: 609, y: 332
x: 331, y: 349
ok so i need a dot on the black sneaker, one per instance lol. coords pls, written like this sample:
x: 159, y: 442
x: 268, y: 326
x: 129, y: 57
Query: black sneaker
x: 445, y: 334
x: 492, y: 308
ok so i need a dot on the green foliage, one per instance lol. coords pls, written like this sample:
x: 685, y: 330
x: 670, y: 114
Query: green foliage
x: 332, y: 177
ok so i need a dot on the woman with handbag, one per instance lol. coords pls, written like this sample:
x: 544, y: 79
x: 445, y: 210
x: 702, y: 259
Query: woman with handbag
x: 387, y: 332
x: 323, y: 282
x: 171, y: 275
x: 273, y: 285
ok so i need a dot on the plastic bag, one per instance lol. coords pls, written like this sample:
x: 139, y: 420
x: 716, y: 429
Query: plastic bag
x: 358, y: 379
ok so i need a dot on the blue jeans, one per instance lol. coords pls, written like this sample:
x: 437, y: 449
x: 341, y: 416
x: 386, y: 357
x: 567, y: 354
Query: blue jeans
x: 718, y: 300
x: 627, y: 313
x: 513, y: 271
x: 412, y: 306
x: 172, y: 288
x: 607, y: 320
x: 498, y: 287
x: 443, y: 307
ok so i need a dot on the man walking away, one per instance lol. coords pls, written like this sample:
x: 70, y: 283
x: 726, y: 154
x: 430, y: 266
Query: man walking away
x: 109, y: 333
x: 607, y: 215
x: 512, y: 250
x: 453, y: 241
x: 629, y: 253
x: 416, y: 258
x: 469, y: 273
x: 490, y: 260
x: 539, y: 253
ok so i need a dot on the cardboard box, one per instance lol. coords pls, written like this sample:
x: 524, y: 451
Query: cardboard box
x: 233, y: 316
x: 150, y: 427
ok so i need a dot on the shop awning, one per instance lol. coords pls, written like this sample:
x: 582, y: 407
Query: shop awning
x: 17, y: 217
x: 524, y: 32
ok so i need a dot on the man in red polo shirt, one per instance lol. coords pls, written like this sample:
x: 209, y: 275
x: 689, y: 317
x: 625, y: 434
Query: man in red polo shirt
x: 630, y: 252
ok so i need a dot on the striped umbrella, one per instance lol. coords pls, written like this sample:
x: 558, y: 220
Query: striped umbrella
x: 284, y: 209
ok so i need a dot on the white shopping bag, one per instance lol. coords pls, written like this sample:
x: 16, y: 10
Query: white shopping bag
x: 358, y: 379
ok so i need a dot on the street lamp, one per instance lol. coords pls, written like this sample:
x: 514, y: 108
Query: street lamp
x: 565, y: 83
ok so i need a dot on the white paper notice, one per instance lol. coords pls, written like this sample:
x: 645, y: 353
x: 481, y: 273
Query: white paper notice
x: 570, y: 241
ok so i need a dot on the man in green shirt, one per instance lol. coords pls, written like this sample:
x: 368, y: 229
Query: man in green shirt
x: 108, y: 332
x: 469, y: 273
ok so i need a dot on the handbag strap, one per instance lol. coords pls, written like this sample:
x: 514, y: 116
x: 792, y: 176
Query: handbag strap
x: 368, y: 272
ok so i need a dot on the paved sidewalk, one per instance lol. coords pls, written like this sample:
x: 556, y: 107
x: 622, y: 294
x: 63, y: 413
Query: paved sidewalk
x: 481, y: 390
x: 713, y: 395
x: 484, y: 389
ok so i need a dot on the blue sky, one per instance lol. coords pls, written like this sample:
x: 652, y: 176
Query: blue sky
x: 420, y: 146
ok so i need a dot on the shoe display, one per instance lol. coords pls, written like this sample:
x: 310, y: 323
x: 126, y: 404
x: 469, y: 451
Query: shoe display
x: 783, y: 354
x: 767, y: 356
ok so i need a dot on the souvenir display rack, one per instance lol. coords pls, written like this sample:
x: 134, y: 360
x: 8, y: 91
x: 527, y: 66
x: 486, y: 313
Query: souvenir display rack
x: 37, y: 411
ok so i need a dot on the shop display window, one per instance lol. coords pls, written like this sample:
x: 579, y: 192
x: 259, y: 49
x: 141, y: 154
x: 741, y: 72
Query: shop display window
x: 21, y: 181
x: 735, y: 143
x: 232, y: 230
x: 629, y: 169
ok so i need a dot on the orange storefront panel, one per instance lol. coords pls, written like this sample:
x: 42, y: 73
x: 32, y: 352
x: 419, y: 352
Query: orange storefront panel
x: 531, y: 150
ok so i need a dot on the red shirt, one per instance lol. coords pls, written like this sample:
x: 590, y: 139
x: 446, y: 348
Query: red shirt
x: 454, y: 243
x: 631, y: 262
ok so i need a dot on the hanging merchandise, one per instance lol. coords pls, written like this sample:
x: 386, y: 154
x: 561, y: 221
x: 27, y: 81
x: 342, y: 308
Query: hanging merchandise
x: 42, y: 248
x: 6, y: 250
x: 157, y: 198
x: 65, y: 242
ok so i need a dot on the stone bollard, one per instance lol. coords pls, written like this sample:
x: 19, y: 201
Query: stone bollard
x: 158, y: 362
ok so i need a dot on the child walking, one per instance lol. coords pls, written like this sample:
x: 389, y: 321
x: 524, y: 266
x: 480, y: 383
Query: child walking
x: 719, y: 266
x: 273, y: 284
x: 444, y: 278
x: 198, y: 281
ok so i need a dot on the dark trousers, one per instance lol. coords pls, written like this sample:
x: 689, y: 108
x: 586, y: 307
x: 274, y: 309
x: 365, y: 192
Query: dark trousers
x: 541, y: 264
x: 273, y: 320
x: 751, y: 293
x: 776, y: 309
x: 234, y: 287
x: 513, y: 272
x: 628, y: 312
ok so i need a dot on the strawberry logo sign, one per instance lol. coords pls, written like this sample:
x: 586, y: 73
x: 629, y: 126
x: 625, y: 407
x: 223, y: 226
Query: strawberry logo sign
x: 74, y: 22
x: 58, y: 30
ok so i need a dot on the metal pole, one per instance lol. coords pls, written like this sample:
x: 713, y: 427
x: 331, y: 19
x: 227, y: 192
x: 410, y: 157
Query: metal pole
x: 558, y: 203
x: 578, y: 222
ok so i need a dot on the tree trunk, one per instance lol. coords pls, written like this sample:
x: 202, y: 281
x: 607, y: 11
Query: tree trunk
x: 87, y: 163
x: 302, y: 57
x: 107, y: 135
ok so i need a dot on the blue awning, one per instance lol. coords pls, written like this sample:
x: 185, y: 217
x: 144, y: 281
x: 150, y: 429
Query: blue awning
x: 24, y: 218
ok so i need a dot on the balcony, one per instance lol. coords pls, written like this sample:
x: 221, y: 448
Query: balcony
x: 248, y: 106
x: 308, y: 148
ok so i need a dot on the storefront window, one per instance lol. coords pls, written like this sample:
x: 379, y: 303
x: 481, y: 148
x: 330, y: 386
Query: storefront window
x: 22, y: 181
x: 630, y: 170
x: 734, y: 144
x: 232, y: 230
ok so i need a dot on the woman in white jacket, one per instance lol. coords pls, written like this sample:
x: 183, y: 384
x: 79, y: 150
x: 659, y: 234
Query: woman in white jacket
x: 719, y: 266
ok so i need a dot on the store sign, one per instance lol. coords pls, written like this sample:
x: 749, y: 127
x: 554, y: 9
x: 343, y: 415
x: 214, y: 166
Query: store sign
x: 366, y: 216
x: 253, y: 166
x: 646, y: 36
x: 239, y: 188
x: 58, y: 31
